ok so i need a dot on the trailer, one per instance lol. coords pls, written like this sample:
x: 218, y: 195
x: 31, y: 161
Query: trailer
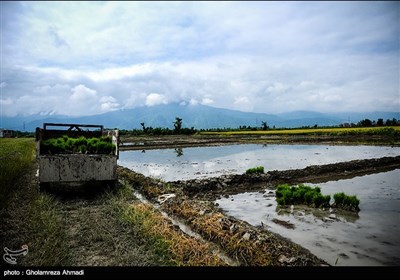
x: 76, y: 167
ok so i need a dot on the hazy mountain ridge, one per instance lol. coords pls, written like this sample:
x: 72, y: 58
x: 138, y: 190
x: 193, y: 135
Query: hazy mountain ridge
x: 197, y: 116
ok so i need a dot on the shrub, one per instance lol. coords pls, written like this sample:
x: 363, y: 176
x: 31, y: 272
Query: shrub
x: 258, y: 169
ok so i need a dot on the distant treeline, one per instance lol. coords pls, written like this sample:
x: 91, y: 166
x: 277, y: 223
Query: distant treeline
x: 179, y: 130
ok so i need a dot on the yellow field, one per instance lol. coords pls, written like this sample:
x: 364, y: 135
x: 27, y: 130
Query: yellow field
x: 329, y: 131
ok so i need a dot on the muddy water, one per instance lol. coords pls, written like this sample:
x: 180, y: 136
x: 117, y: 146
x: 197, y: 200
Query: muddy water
x: 370, y: 238
x: 205, y: 162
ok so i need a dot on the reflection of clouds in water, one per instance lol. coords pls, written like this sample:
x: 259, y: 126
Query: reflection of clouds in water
x: 156, y: 170
x: 209, y: 165
x: 359, y: 239
x: 200, y: 162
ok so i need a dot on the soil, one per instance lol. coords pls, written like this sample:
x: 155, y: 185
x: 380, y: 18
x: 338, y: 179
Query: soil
x: 213, y: 188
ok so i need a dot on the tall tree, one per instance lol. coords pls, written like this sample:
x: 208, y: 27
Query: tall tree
x: 178, y: 124
x: 264, y: 125
x: 144, y: 128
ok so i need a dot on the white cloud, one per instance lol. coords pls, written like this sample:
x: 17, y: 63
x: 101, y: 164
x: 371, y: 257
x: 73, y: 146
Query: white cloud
x: 7, y: 101
x: 243, y: 103
x: 82, y: 93
x: 88, y: 58
x: 109, y: 103
x: 207, y: 101
x: 193, y: 101
x: 155, y: 99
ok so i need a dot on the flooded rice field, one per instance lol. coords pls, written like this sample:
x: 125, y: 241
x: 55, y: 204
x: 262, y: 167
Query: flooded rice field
x: 371, y: 237
x: 206, y: 162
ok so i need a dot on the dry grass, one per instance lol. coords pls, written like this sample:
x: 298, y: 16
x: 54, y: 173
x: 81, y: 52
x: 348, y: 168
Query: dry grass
x: 240, y: 243
x: 238, y: 239
x: 171, y: 245
x: 150, y: 188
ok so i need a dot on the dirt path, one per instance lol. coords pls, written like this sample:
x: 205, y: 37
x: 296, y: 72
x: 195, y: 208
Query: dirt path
x: 95, y: 237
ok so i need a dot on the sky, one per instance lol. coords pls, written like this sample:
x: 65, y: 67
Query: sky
x: 87, y: 58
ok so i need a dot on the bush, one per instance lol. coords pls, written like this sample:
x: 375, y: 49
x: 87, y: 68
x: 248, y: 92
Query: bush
x: 258, y: 169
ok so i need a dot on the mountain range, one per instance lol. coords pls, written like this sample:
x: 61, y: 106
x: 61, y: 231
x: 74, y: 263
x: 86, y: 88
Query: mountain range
x: 197, y: 116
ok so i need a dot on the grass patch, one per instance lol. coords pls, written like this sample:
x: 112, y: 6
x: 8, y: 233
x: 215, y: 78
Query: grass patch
x: 239, y: 240
x: 301, y: 194
x: 32, y: 218
x: 83, y: 145
x: 16, y: 155
x: 170, y: 245
x: 45, y: 233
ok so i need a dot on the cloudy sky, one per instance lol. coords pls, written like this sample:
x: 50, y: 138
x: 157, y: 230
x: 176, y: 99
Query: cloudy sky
x: 88, y: 58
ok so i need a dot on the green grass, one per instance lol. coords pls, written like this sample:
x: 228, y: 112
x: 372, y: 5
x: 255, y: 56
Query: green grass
x: 258, y: 169
x: 67, y: 145
x: 45, y: 233
x: 301, y: 194
x: 16, y: 155
x: 28, y: 216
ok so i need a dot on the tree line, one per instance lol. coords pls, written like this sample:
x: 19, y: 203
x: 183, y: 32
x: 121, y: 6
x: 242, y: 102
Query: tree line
x: 180, y: 130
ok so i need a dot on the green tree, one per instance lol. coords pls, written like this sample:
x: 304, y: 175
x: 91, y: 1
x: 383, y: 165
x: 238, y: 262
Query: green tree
x: 264, y: 125
x: 144, y: 128
x: 365, y: 122
x: 178, y: 124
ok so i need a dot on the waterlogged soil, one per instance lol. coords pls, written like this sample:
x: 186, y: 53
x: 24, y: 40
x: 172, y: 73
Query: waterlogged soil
x: 213, y: 161
x: 193, y: 192
x: 370, y: 237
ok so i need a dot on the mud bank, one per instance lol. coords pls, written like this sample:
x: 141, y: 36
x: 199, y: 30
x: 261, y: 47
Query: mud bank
x: 246, y: 244
x: 232, y: 184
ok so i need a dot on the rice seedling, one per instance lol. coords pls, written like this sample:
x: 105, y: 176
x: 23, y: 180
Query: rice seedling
x: 301, y: 194
x: 67, y: 145
x: 258, y: 169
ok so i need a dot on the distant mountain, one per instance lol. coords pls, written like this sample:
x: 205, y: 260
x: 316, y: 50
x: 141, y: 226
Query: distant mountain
x: 197, y: 116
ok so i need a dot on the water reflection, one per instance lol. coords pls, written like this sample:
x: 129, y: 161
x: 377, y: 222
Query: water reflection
x: 325, y: 215
x: 204, y: 162
x: 370, y: 237
x: 179, y: 152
